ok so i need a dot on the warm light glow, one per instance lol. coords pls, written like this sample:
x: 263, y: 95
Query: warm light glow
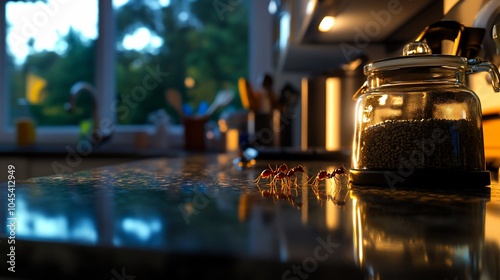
x: 383, y: 99
x: 359, y: 241
x: 448, y: 4
x: 276, y: 124
x: 332, y: 211
x: 189, y: 82
x: 326, y: 24
x: 332, y: 123
x: 304, y: 113
x: 355, y: 231
x: 353, y: 65
x: 305, y: 199
x: 492, y: 223
x: 232, y: 138
x: 222, y: 125
x: 449, y: 111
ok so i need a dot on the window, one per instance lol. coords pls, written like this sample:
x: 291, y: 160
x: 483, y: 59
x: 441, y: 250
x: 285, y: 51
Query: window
x: 189, y: 47
x: 48, y: 49
x: 196, y: 47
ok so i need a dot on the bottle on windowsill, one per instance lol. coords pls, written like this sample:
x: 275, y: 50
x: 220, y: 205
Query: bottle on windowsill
x: 160, y: 138
x: 25, y: 124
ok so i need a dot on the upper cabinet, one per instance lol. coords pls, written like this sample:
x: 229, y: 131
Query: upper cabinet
x: 320, y: 36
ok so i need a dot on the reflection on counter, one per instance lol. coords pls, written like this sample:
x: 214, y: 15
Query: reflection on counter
x: 203, y: 205
x: 45, y: 226
x: 420, y: 235
x: 74, y: 220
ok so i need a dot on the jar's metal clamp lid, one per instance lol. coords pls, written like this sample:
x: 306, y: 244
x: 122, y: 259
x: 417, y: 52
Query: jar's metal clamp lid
x: 418, y: 53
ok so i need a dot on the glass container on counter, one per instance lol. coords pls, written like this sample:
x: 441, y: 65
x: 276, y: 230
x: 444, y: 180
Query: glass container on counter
x: 418, y: 124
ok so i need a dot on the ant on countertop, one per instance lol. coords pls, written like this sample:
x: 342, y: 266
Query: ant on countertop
x: 322, y: 196
x: 287, y: 178
x: 281, y: 196
x: 323, y: 175
x: 271, y: 173
x: 279, y: 174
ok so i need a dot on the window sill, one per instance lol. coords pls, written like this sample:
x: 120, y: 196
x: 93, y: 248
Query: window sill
x: 69, y: 135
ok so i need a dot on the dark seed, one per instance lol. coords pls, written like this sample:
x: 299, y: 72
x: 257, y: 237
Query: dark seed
x: 415, y: 143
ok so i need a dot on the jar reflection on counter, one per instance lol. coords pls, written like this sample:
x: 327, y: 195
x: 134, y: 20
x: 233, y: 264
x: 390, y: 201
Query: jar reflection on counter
x: 423, y: 236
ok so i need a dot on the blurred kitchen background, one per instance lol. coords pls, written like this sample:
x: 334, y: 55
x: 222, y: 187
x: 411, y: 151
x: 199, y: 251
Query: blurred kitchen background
x: 126, y: 78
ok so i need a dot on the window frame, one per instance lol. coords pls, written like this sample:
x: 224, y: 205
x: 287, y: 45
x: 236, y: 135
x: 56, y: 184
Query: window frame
x: 105, y: 79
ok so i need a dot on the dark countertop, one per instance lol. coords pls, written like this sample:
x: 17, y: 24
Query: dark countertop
x: 197, y: 216
x: 105, y: 150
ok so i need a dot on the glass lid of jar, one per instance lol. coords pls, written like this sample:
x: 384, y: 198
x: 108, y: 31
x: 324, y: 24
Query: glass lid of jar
x: 416, y: 54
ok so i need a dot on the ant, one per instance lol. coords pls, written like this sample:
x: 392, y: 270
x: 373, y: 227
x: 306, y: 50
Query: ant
x: 285, y: 176
x: 288, y: 197
x: 283, y: 168
x: 270, y: 173
x: 339, y: 202
x: 323, y: 196
x: 293, y: 172
x: 291, y: 176
x: 323, y: 175
x: 280, y: 176
x: 266, y: 173
x: 279, y: 173
x: 281, y: 195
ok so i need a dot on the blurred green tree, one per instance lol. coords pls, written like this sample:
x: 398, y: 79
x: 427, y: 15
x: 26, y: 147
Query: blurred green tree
x: 196, y: 43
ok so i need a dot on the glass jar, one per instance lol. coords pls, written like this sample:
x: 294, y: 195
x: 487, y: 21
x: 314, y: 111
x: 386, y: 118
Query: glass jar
x: 416, y: 123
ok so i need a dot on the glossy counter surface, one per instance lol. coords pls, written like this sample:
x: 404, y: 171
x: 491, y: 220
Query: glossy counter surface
x: 197, y: 216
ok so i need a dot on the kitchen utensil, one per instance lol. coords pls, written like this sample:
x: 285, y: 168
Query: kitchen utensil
x: 202, y: 108
x: 466, y: 41
x: 417, y: 124
x: 222, y: 98
x: 267, y: 85
x: 174, y: 98
x: 194, y: 133
x: 187, y: 110
x: 289, y: 96
x: 436, y: 33
x: 246, y: 94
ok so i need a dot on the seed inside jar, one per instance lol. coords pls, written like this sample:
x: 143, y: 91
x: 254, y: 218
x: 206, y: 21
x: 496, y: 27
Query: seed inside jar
x: 426, y: 143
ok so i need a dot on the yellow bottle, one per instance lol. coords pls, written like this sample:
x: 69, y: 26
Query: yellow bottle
x: 25, y: 126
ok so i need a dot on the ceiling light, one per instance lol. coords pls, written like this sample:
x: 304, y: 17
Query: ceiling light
x: 326, y: 24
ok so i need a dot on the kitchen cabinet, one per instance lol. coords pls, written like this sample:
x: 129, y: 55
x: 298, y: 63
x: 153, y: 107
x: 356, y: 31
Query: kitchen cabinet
x: 196, y: 216
x: 362, y: 28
